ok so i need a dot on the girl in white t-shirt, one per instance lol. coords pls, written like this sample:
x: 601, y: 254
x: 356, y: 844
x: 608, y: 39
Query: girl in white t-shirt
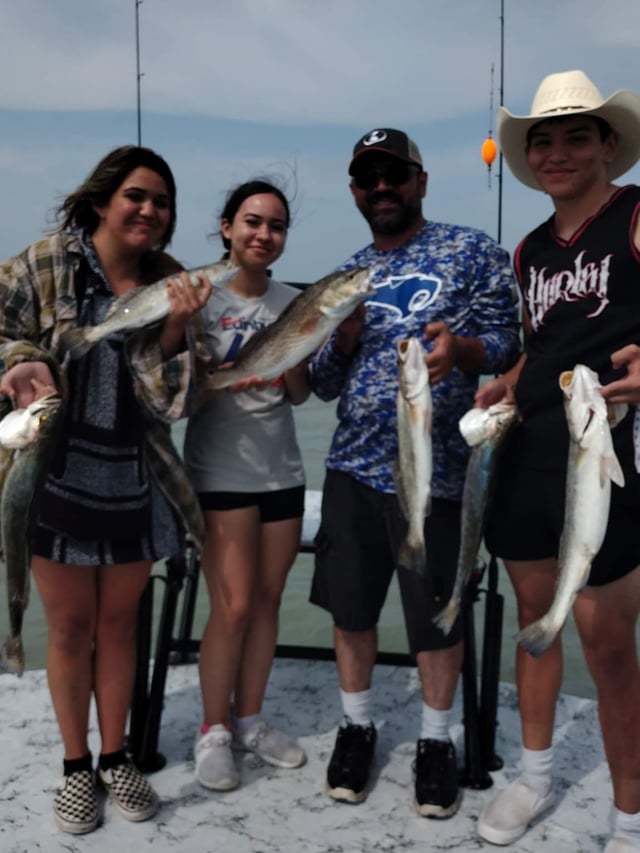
x: 242, y: 455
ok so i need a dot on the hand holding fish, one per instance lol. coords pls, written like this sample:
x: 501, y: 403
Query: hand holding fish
x: 494, y: 391
x: 627, y: 389
x: 442, y: 358
x: 26, y: 382
x: 349, y: 331
x: 185, y: 301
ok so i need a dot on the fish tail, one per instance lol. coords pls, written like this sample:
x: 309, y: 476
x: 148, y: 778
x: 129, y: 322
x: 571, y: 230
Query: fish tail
x: 76, y: 342
x: 537, y: 637
x: 412, y: 556
x: 448, y: 615
x: 12, y: 656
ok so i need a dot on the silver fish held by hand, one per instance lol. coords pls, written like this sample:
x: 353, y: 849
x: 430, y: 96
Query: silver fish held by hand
x: 412, y: 472
x: 591, y: 468
x: 32, y: 433
x: 484, y: 430
x: 305, y: 324
x: 141, y: 306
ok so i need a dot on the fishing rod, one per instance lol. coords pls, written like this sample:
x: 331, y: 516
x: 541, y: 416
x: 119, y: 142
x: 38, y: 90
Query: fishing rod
x: 139, y: 75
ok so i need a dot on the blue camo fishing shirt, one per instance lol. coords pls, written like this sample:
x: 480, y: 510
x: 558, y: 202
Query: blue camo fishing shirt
x: 448, y: 273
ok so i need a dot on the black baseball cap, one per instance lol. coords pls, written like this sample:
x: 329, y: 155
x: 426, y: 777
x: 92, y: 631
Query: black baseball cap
x: 396, y: 143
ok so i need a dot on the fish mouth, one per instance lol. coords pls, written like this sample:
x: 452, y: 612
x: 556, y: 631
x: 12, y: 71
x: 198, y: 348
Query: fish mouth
x: 565, y: 379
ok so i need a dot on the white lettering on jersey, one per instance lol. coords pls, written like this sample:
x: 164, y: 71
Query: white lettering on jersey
x: 585, y: 280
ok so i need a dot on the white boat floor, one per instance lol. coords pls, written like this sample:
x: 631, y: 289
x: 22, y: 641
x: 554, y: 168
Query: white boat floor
x: 287, y: 811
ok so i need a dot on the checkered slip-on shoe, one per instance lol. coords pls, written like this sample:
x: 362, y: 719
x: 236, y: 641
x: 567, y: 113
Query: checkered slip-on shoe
x: 129, y: 791
x: 75, y: 807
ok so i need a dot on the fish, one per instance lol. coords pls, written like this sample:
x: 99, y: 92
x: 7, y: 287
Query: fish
x: 303, y: 327
x: 412, y: 470
x: 31, y: 434
x: 484, y: 430
x: 141, y: 306
x: 591, y: 468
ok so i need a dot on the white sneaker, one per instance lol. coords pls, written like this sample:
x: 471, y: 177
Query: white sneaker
x: 272, y: 746
x: 215, y: 767
x: 507, y: 818
x: 620, y: 844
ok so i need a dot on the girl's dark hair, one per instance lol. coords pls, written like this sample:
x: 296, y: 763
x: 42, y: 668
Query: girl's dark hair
x: 110, y: 173
x: 235, y: 197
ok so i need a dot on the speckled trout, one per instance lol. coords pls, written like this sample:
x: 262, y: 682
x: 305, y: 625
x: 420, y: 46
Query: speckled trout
x: 484, y: 430
x: 305, y: 325
x: 138, y: 307
x: 412, y: 472
x: 31, y: 434
x: 591, y: 468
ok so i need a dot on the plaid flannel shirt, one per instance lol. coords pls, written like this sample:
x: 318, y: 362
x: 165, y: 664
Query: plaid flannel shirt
x: 38, y: 303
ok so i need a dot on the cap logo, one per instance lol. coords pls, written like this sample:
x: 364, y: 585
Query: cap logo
x: 375, y: 137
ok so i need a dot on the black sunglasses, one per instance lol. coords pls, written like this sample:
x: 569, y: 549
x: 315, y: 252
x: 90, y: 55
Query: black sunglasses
x: 394, y: 173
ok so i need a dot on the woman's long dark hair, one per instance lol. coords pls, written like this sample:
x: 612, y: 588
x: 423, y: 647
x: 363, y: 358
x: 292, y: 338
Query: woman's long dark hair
x: 110, y: 173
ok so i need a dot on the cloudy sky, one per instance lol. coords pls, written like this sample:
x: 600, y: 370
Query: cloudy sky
x: 232, y: 89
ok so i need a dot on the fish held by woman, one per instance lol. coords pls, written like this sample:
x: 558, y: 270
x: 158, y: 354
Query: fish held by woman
x: 484, y: 430
x: 412, y: 471
x: 305, y: 324
x: 31, y: 434
x: 141, y: 306
x: 591, y: 469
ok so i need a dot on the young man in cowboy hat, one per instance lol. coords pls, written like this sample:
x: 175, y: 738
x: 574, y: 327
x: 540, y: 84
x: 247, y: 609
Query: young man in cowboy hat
x: 451, y: 286
x: 579, y: 274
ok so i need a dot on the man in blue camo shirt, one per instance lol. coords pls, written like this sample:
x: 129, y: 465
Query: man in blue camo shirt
x: 452, y: 287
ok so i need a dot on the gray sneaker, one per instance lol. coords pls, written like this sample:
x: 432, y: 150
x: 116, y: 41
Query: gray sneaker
x: 508, y: 816
x: 215, y: 767
x: 272, y: 746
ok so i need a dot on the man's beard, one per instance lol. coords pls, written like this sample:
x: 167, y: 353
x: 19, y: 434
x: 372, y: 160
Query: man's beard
x: 394, y: 221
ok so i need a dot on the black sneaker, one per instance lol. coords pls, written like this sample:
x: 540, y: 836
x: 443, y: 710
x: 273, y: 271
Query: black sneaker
x: 348, y: 771
x: 75, y: 806
x: 437, y: 790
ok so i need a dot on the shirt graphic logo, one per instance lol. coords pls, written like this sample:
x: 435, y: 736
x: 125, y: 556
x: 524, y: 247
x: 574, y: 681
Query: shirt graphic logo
x: 405, y: 295
x: 584, y: 280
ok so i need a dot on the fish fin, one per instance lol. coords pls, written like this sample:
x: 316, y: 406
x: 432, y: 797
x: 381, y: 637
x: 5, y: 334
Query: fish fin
x: 610, y: 467
x: 309, y: 326
x: 448, y: 615
x: 12, y: 656
x: 76, y: 342
x: 537, y: 637
x: 412, y: 556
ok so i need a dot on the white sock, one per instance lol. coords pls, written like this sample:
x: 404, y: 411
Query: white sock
x: 243, y: 724
x: 626, y: 825
x: 435, y: 724
x: 356, y: 706
x: 537, y: 765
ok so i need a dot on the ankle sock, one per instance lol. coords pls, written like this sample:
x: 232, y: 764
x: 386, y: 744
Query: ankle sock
x: 73, y: 765
x: 537, y: 766
x: 243, y: 724
x: 356, y: 706
x: 109, y: 760
x: 435, y: 723
x: 626, y: 825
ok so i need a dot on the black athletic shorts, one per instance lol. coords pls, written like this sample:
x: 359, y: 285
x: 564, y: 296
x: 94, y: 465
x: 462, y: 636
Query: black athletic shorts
x: 278, y: 505
x: 356, y: 546
x: 527, y: 515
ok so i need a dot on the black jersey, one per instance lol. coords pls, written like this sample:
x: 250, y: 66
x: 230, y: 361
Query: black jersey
x: 583, y: 297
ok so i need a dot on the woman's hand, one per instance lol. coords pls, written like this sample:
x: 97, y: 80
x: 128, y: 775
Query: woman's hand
x: 185, y: 301
x: 26, y: 382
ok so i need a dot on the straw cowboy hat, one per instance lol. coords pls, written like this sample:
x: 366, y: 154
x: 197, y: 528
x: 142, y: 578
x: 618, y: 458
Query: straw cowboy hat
x: 572, y: 93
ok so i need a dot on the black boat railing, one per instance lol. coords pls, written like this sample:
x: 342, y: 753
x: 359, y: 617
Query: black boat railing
x: 181, y: 578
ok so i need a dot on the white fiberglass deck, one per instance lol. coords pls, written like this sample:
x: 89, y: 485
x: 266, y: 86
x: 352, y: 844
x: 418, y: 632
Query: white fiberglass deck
x: 287, y: 811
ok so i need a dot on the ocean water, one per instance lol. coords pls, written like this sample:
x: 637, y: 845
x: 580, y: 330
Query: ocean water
x: 300, y: 622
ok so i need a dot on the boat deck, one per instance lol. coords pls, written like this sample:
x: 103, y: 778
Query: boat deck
x: 287, y: 811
